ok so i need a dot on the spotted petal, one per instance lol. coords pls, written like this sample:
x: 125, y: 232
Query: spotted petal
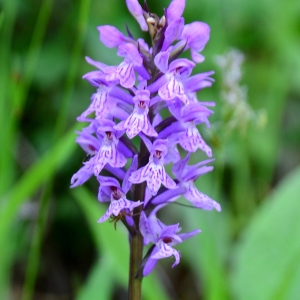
x: 201, y: 200
x: 135, y: 124
x: 108, y: 153
x: 191, y: 140
x: 154, y: 174
x: 163, y: 250
x: 173, y: 88
x: 116, y: 206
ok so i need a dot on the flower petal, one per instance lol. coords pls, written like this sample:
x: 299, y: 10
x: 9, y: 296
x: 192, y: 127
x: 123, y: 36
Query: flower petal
x: 175, y: 10
x: 149, y: 266
x: 201, y: 200
x: 191, y: 140
x: 136, y: 10
x: 110, y: 36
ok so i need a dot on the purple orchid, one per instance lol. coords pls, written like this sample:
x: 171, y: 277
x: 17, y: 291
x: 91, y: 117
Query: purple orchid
x: 110, y: 187
x: 133, y: 61
x: 154, y: 172
x: 187, y: 175
x: 108, y: 152
x: 90, y: 144
x: 171, y: 85
x: 138, y: 121
x: 184, y: 131
x: 163, y: 237
x: 125, y: 72
x: 144, y: 115
x: 196, y: 36
x: 101, y: 102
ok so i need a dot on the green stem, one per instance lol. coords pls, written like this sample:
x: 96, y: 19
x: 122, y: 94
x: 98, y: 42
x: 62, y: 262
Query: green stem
x: 136, y: 239
x: 136, y: 254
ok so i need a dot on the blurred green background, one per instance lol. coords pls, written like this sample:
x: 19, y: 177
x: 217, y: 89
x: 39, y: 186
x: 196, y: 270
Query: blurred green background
x: 51, y: 246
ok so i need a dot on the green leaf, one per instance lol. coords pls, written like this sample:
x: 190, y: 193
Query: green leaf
x: 266, y: 260
x: 100, y: 282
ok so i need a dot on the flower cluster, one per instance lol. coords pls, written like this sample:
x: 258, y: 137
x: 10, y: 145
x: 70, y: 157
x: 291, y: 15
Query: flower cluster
x: 149, y: 100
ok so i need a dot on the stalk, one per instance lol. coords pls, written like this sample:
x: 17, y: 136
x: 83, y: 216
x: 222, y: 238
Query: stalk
x: 136, y: 239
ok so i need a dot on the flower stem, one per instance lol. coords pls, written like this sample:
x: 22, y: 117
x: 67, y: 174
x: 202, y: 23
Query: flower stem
x: 136, y: 239
x: 136, y: 253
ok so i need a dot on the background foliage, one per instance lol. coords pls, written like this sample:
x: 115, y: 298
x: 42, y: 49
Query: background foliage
x: 50, y: 242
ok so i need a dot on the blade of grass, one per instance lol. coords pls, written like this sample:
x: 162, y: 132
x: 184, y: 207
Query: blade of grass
x: 8, y: 16
x: 42, y: 170
x: 34, y: 255
x: 32, y: 56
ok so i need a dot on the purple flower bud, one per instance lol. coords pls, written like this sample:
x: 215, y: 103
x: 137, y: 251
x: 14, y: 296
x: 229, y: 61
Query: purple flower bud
x: 173, y: 32
x: 175, y: 10
x: 136, y: 10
